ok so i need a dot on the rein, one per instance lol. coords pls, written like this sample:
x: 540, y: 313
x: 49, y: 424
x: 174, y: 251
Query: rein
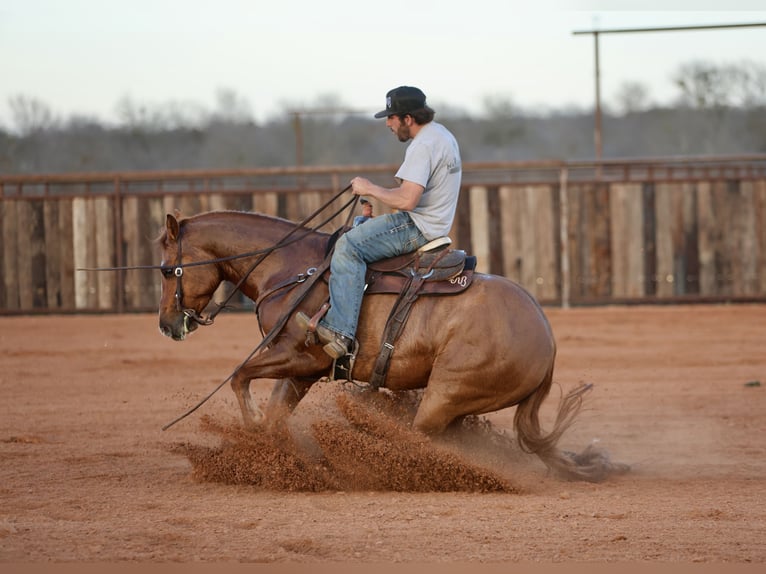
x: 306, y: 279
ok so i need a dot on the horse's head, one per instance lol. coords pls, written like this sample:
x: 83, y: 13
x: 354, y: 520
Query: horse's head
x: 186, y: 291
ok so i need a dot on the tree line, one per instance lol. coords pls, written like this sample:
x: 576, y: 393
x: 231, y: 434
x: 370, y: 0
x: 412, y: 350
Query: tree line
x: 720, y: 110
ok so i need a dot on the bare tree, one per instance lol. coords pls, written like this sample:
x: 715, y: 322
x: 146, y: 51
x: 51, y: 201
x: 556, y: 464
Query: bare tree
x: 231, y: 108
x: 632, y: 97
x: 707, y: 85
x: 30, y: 115
x: 154, y: 118
x: 498, y: 107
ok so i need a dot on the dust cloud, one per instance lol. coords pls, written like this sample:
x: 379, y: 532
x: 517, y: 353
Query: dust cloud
x: 346, y: 441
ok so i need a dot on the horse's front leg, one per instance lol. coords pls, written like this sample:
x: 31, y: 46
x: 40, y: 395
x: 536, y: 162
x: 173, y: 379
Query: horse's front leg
x: 252, y: 416
x: 295, y: 369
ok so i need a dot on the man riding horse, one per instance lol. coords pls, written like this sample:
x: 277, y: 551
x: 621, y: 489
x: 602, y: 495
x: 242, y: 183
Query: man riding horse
x: 425, y: 202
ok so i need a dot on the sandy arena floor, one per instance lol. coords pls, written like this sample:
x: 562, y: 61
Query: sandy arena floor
x: 88, y: 475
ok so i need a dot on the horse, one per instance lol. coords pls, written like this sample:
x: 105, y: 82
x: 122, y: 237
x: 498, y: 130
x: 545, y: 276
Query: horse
x: 484, y: 350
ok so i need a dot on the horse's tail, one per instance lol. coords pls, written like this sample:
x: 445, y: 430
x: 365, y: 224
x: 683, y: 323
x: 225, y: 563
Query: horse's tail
x: 592, y: 464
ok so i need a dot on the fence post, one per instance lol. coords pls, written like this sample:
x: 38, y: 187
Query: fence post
x: 118, y: 235
x: 564, y: 237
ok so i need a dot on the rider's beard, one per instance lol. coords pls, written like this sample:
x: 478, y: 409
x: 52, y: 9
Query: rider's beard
x: 403, y: 133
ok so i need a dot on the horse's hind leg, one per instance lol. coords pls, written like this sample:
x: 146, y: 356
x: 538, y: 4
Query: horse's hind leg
x: 285, y: 396
x: 435, y: 413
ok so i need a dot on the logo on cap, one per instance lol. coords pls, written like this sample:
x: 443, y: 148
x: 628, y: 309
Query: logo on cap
x: 388, y: 102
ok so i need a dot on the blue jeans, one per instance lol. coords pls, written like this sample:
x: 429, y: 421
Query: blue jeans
x: 377, y: 238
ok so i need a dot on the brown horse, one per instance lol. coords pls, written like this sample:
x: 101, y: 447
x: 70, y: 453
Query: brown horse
x: 486, y: 349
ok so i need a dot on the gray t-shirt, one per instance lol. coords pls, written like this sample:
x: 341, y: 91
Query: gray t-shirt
x: 432, y: 160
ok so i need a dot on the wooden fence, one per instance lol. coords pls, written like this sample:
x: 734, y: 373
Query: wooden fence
x: 646, y: 231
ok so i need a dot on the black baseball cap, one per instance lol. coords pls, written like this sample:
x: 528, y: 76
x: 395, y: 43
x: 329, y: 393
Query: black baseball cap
x: 403, y: 100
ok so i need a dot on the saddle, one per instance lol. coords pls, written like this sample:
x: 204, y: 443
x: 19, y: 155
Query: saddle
x: 443, y: 270
x: 434, y: 269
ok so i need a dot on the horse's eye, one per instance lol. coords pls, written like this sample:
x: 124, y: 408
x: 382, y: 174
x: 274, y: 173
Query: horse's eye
x: 166, y: 271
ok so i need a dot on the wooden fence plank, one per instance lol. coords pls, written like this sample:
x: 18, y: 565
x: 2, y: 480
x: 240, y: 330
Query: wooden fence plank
x: 145, y: 231
x: 31, y: 262
x: 576, y: 272
x: 239, y: 202
x: 66, y: 268
x: 461, y: 226
x: 52, y: 254
x: 545, y: 234
x: 678, y: 242
x: 480, y: 227
x: 266, y: 203
x: 11, y: 239
x: 601, y: 242
x: 24, y: 261
x: 190, y: 205
x: 527, y: 251
x: 666, y: 217
x: 81, y: 255
x: 495, y: 232
x: 627, y: 229
x: 307, y: 203
x: 130, y: 234
x: 510, y: 221
x: 10, y: 254
x: 649, y: 238
x: 591, y: 256
x: 103, y: 231
x: 724, y: 237
x: 744, y: 246
x: 689, y: 241
x: 92, y: 251
x: 706, y: 238
x: 217, y: 202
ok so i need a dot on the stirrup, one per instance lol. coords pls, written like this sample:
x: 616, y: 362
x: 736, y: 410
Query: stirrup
x: 335, y: 344
x: 336, y: 349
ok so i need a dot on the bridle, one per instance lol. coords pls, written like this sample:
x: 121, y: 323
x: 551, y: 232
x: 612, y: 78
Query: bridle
x: 178, y: 271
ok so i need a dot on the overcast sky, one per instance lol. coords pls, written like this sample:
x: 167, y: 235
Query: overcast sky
x: 84, y: 56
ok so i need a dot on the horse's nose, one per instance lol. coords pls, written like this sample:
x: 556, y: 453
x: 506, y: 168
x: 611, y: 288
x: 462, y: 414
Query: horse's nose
x: 165, y: 330
x: 172, y: 329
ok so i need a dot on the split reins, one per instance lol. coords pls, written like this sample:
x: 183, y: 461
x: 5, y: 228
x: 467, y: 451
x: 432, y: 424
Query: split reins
x: 307, y: 279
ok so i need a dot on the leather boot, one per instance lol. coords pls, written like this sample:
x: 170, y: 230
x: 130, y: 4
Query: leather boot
x: 335, y: 344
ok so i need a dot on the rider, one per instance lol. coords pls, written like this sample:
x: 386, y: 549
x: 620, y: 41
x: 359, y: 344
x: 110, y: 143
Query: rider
x: 425, y: 201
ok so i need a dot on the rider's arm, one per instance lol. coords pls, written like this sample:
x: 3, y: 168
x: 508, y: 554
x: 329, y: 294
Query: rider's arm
x: 405, y: 197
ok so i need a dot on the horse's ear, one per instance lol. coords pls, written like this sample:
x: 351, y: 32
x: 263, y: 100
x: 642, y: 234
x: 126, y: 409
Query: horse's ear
x: 171, y: 223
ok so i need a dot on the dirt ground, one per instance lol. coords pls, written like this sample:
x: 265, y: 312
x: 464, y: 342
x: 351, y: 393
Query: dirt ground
x: 88, y: 475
